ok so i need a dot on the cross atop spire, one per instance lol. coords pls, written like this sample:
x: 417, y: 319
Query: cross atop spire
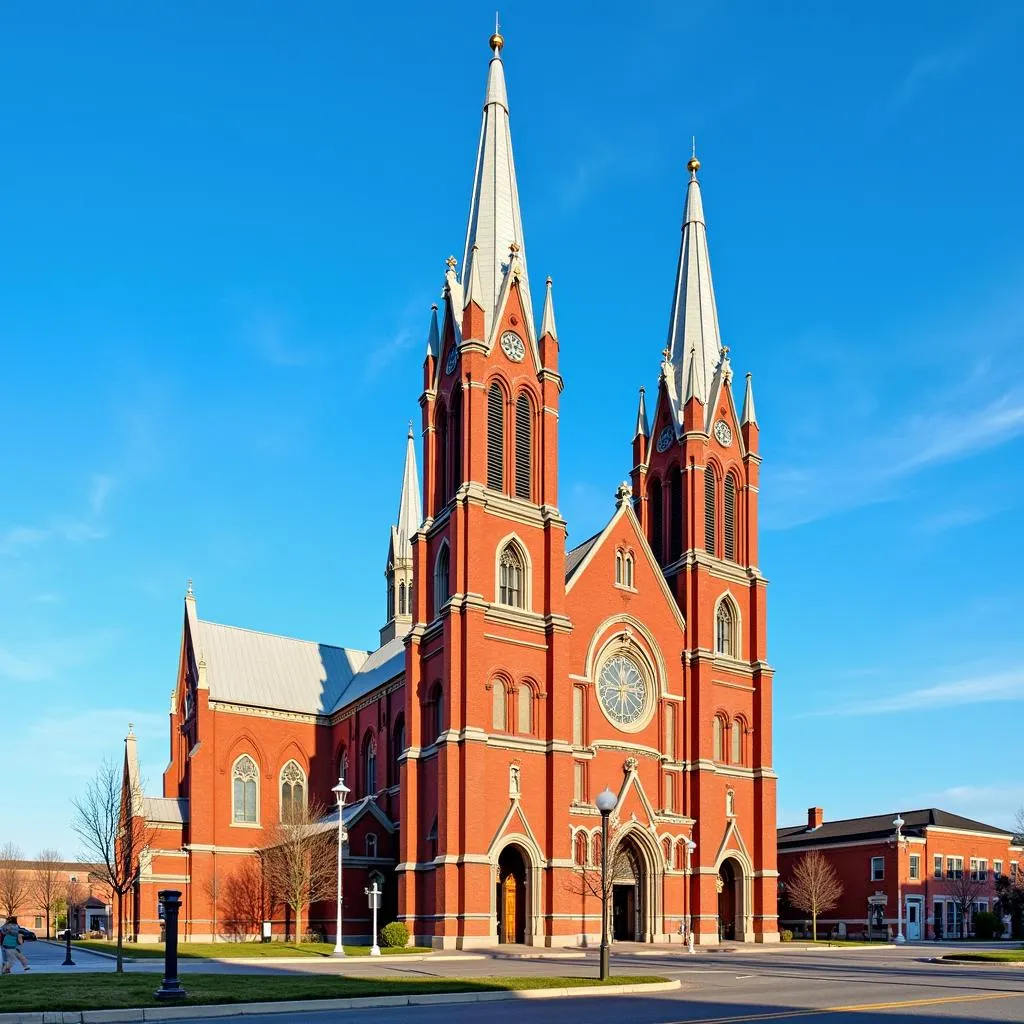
x: 495, y: 222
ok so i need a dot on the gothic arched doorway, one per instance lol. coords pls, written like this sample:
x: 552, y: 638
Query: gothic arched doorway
x: 628, y: 891
x: 730, y: 901
x: 511, y: 895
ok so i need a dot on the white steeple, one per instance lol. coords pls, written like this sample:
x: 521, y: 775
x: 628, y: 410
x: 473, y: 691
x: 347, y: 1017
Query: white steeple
x: 643, y: 426
x: 547, y: 318
x: 749, y: 415
x: 399, y: 568
x: 410, y: 507
x: 693, y: 333
x: 495, y: 222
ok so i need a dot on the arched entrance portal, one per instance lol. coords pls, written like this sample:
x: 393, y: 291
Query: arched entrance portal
x: 628, y: 891
x: 730, y: 901
x: 511, y: 895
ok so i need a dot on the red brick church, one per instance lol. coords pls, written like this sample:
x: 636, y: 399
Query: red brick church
x: 515, y: 679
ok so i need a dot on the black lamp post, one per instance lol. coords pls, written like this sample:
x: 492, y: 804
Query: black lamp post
x: 606, y: 802
x: 68, y: 962
x: 170, y: 988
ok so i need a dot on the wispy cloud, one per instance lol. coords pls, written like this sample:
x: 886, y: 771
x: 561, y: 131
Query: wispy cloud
x: 269, y: 336
x: 99, y: 491
x: 17, y: 538
x: 75, y: 529
x: 934, y: 68
x: 993, y: 804
x: 973, y: 689
x: 955, y: 518
x: 381, y: 356
x: 50, y: 658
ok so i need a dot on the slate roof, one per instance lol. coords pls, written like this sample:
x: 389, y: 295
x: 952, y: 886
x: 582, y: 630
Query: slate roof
x: 879, y: 826
x: 577, y: 554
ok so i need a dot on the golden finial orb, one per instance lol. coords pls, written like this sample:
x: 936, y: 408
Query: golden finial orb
x: 693, y: 165
x: 497, y: 42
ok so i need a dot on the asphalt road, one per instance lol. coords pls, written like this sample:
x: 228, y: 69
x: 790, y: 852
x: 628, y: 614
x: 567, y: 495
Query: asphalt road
x: 768, y: 984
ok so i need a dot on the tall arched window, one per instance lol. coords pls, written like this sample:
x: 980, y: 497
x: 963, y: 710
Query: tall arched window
x: 441, y: 459
x: 524, y: 701
x: 730, y: 517
x: 455, y: 440
x: 657, y: 520
x: 369, y: 765
x: 736, y: 739
x: 244, y: 791
x: 389, y: 575
x: 524, y: 447
x: 670, y: 731
x: 725, y: 629
x: 579, y: 849
x: 709, y: 510
x: 441, y: 591
x: 401, y: 598
x: 629, y: 569
x: 293, y: 790
x: 619, y: 575
x: 397, y: 748
x: 343, y: 763
x: 511, y: 565
x: 577, y: 715
x: 496, y: 438
x: 716, y: 738
x: 675, y: 514
x: 499, y: 706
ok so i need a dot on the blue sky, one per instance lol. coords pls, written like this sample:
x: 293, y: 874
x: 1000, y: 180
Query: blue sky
x: 222, y: 226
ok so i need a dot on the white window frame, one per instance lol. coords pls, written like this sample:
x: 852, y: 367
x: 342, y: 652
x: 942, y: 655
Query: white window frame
x: 880, y: 877
x: 915, y: 867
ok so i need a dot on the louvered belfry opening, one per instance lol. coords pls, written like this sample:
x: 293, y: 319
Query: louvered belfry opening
x: 496, y: 438
x: 441, y: 463
x: 730, y: 517
x: 709, y: 510
x: 524, y: 447
x: 455, y: 436
x: 657, y: 519
x: 675, y: 513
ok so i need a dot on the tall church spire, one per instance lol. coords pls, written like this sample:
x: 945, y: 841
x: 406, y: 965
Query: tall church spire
x: 399, y: 567
x: 693, y: 334
x: 495, y: 222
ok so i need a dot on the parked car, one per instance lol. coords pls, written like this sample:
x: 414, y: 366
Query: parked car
x: 62, y: 935
x: 26, y: 934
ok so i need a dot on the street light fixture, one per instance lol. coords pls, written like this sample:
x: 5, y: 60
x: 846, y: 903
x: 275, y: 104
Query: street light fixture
x: 340, y: 791
x: 900, y: 844
x: 606, y: 801
x: 690, y: 847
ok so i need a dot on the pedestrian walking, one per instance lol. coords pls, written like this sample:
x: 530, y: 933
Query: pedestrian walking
x: 11, y: 943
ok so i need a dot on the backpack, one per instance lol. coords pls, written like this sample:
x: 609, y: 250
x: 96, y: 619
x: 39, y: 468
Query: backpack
x: 11, y: 937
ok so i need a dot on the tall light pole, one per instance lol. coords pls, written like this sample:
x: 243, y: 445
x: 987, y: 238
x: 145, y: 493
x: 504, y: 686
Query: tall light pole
x: 340, y: 791
x: 606, y: 801
x: 900, y: 842
x: 690, y: 847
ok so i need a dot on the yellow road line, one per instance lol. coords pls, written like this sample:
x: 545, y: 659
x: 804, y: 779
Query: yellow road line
x: 853, y: 1008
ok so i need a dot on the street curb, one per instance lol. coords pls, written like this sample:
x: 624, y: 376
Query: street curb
x: 320, y: 1005
x: 275, y: 961
x: 947, y: 960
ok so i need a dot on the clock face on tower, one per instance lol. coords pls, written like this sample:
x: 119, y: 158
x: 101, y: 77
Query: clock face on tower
x: 623, y: 692
x: 723, y: 433
x: 665, y: 438
x: 512, y: 346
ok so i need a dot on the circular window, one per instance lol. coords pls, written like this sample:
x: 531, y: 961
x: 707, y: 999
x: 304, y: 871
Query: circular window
x: 624, y: 693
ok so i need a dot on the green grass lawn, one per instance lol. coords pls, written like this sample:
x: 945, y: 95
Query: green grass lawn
x: 237, y: 950
x: 108, y: 991
x: 1003, y: 956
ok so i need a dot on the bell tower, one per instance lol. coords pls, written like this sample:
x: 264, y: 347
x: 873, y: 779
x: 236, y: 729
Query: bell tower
x: 489, y: 623
x: 398, y: 572
x: 696, y: 478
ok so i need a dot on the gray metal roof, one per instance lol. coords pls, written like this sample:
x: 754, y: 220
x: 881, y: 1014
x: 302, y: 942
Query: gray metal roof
x: 879, y: 826
x: 165, y: 809
x: 263, y: 670
x: 383, y: 665
x: 574, y: 557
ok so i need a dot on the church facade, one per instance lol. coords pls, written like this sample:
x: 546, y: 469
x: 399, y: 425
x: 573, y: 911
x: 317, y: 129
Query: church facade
x: 515, y: 679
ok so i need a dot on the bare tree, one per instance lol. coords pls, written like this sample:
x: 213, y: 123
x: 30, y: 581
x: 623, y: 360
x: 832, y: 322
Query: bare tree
x: 109, y: 822
x: 15, y: 883
x: 814, y: 887
x: 74, y: 897
x: 47, y: 885
x: 965, y: 890
x: 299, y: 861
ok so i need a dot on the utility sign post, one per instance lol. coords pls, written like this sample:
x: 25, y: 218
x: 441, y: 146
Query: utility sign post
x: 373, y: 895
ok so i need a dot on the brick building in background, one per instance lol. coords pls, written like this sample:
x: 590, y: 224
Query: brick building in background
x: 945, y: 858
x: 74, y: 884
x: 516, y: 677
